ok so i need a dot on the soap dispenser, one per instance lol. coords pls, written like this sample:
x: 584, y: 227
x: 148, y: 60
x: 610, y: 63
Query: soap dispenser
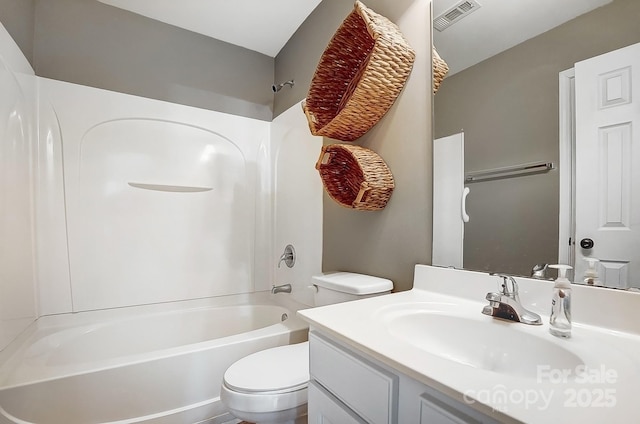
x: 591, y: 274
x: 560, y: 320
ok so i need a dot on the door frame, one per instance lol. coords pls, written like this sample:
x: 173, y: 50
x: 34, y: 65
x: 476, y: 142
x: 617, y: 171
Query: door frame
x: 448, y: 201
x: 567, y: 162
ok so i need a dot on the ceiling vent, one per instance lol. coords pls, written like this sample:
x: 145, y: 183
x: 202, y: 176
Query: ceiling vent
x: 455, y: 13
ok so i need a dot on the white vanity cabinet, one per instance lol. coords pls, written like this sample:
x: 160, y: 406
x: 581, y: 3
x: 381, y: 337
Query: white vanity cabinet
x: 354, y: 382
x: 347, y: 386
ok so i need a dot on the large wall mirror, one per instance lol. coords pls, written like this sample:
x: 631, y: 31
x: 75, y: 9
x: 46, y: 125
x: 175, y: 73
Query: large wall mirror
x: 503, y: 93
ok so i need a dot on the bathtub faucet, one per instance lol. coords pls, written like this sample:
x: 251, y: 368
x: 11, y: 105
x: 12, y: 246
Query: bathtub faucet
x: 284, y: 288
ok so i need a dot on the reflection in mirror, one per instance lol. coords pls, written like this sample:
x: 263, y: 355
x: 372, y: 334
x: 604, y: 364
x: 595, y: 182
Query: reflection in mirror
x: 503, y: 93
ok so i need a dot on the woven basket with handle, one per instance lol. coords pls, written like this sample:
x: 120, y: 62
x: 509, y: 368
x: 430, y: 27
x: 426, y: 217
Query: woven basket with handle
x: 355, y: 177
x: 359, y: 76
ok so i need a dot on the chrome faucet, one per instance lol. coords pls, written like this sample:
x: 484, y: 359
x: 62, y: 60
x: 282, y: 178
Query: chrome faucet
x: 506, y: 304
x: 284, y: 288
x: 539, y: 271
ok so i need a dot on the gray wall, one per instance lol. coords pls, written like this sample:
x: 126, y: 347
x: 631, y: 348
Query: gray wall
x: 18, y: 17
x: 508, y: 108
x: 390, y: 242
x: 299, y: 57
x: 87, y: 42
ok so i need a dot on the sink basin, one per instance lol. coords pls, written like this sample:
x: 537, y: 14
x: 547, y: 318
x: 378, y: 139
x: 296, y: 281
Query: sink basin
x: 492, y: 345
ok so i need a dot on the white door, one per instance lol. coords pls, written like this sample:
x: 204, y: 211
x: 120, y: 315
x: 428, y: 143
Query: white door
x: 607, y: 182
x: 448, y: 201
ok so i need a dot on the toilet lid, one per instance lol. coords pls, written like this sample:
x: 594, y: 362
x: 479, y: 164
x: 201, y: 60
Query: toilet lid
x: 283, y: 368
x: 352, y: 283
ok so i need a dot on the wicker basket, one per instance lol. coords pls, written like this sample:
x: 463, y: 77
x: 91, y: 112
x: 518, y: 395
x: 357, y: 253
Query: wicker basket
x: 440, y: 69
x: 359, y: 77
x: 355, y: 177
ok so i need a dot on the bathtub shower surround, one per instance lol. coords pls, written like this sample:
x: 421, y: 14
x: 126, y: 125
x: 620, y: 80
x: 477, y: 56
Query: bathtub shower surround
x: 166, y: 202
x: 139, y: 242
x: 158, y: 197
x: 167, y: 212
x: 169, y: 218
x: 297, y: 202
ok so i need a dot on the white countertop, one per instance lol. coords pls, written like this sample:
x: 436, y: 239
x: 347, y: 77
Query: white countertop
x: 605, y: 388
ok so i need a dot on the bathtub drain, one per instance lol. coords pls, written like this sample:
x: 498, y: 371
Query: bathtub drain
x: 284, y: 317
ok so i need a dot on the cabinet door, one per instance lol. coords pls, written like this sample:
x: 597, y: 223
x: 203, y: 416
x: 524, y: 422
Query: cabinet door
x: 326, y: 409
x: 434, y: 411
x: 366, y: 388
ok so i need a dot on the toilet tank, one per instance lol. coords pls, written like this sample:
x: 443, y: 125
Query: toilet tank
x: 337, y: 287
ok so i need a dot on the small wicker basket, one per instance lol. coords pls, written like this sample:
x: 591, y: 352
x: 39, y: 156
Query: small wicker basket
x: 440, y: 69
x: 355, y: 177
x: 359, y: 76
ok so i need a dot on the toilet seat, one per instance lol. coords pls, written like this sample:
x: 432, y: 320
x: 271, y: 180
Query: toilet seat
x: 282, y: 369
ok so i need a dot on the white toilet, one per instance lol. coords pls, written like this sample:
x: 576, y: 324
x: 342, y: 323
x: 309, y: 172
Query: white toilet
x: 271, y: 386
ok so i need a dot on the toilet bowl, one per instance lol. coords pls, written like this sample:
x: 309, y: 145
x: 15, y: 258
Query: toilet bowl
x: 270, y: 386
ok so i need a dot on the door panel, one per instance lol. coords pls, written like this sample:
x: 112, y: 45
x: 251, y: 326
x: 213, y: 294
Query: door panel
x: 607, y: 185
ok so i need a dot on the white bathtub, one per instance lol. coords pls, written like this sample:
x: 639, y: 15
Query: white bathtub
x: 151, y: 364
